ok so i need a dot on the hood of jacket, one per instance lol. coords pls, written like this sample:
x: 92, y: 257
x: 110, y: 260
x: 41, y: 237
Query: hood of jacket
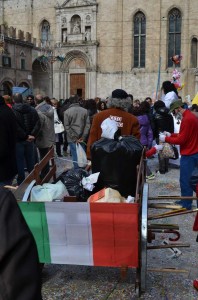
x: 23, y: 108
x: 45, y: 109
x: 162, y: 111
x: 143, y: 120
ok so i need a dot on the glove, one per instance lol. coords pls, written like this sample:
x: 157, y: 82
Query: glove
x: 159, y: 147
x: 162, y: 137
x: 167, y: 133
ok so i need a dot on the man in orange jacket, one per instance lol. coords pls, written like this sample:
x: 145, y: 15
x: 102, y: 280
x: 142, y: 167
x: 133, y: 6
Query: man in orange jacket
x: 118, y: 105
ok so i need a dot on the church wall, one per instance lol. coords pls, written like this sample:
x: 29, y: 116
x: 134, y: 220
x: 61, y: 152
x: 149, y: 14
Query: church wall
x: 114, y: 32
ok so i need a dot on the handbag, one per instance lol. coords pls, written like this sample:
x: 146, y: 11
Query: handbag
x: 170, y: 151
x: 58, y: 126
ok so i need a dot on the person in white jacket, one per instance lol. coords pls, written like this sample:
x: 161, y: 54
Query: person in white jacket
x: 170, y: 93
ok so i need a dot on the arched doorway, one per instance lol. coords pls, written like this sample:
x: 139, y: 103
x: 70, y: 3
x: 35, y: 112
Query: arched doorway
x: 77, y: 77
x: 41, y: 78
x: 24, y: 84
x: 6, y: 88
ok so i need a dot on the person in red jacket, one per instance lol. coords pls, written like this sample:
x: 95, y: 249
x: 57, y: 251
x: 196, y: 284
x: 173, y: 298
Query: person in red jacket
x: 187, y: 138
x: 118, y: 105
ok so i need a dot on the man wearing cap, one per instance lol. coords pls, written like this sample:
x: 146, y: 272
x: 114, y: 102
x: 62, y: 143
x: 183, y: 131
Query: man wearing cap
x: 118, y: 105
x: 187, y: 138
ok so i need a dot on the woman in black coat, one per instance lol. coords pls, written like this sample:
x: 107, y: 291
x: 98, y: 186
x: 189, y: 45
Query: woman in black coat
x: 8, y: 168
x: 163, y: 121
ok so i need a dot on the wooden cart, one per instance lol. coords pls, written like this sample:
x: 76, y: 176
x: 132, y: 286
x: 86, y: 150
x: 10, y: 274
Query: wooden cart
x: 92, y: 234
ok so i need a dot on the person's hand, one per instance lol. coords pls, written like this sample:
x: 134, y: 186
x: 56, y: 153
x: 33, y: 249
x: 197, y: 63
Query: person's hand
x: 167, y: 133
x: 79, y: 140
x: 30, y: 138
x: 162, y: 137
x: 159, y: 147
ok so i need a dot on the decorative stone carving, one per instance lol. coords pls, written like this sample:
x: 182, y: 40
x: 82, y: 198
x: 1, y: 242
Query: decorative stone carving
x: 76, y: 24
x: 88, y: 34
x: 64, y: 21
x: 88, y: 19
x: 73, y: 3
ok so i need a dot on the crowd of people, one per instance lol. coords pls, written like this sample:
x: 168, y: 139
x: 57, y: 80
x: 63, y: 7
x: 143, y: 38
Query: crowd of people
x: 31, y: 126
x: 38, y: 123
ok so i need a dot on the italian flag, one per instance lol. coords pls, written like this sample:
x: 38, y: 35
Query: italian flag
x: 93, y: 234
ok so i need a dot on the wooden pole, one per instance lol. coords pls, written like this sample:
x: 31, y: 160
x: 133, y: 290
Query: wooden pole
x: 171, y: 270
x: 168, y: 246
x: 172, y: 214
x: 173, y: 197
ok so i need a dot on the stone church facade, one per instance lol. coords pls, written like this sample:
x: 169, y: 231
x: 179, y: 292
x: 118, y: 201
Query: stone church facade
x: 95, y: 46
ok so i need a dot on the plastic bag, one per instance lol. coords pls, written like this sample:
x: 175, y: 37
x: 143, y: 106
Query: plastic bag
x: 58, y: 126
x: 48, y: 192
x: 170, y: 151
x: 81, y: 156
x: 72, y: 179
x: 109, y: 128
x: 116, y: 160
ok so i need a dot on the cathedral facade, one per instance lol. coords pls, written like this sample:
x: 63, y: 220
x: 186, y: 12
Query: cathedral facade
x: 91, y: 47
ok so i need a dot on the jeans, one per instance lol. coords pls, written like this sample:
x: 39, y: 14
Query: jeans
x: 74, y: 154
x: 187, y: 165
x: 24, y: 153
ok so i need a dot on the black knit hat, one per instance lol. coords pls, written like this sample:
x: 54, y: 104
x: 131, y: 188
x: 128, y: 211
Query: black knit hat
x: 120, y: 94
x: 158, y: 104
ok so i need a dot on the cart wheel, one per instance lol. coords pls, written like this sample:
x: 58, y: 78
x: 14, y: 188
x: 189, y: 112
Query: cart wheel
x: 144, y: 236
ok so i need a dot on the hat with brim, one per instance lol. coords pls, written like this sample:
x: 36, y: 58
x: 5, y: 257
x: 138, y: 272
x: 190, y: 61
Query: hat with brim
x: 175, y: 105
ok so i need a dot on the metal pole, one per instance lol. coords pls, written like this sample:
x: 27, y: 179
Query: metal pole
x: 158, y: 80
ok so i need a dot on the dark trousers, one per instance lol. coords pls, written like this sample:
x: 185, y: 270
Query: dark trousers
x: 24, y: 154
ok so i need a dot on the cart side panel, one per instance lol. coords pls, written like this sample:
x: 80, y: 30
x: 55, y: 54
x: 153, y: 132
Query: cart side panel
x: 35, y: 216
x: 115, y: 234
x: 100, y: 234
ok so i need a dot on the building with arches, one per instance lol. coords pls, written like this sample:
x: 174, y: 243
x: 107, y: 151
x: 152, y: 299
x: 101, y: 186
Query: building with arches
x: 108, y: 44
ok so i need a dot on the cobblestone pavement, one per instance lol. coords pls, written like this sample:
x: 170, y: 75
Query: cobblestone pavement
x: 95, y: 283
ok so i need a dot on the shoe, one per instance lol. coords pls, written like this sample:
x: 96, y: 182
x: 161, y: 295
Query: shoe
x: 150, y: 177
x: 182, y: 206
x: 195, y: 284
x: 162, y: 172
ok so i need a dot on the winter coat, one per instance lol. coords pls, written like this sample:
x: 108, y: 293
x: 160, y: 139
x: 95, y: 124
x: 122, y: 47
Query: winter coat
x: 20, y: 277
x: 8, y: 131
x: 163, y: 122
x: 46, y: 136
x: 146, y: 133
x: 128, y: 124
x: 76, y: 122
x: 28, y: 122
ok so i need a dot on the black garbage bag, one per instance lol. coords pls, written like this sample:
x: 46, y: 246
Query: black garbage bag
x: 194, y: 179
x: 116, y: 160
x: 72, y: 180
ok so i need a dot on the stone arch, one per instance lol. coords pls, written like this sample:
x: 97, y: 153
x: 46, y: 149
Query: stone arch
x: 24, y: 83
x: 172, y: 7
x: 6, y: 86
x: 41, y: 78
x: 139, y: 10
x: 75, y: 54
